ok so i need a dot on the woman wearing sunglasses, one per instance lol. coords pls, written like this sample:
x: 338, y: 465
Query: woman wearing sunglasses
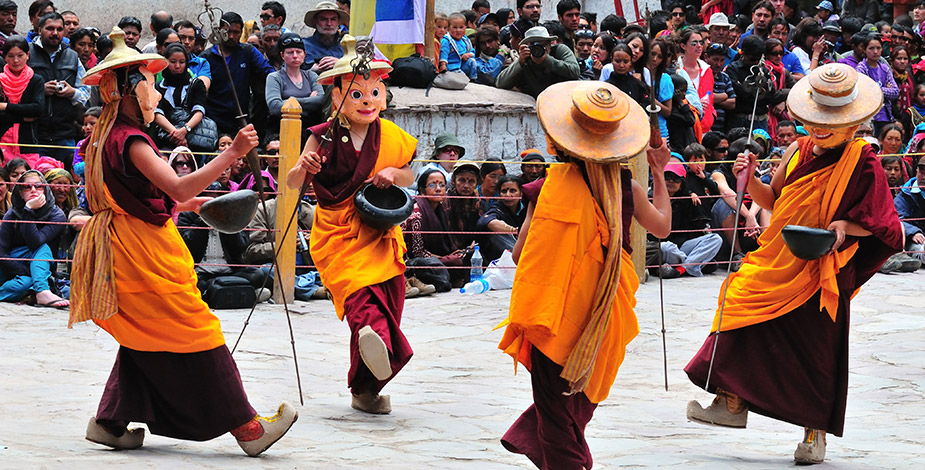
x: 293, y: 81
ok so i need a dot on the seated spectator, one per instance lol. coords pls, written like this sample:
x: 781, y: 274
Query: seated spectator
x: 64, y: 191
x: 895, y: 170
x: 530, y: 172
x: 782, y: 81
x: 430, y: 215
x: 488, y: 60
x: 447, y: 149
x: 910, y: 204
x: 26, y: 236
x: 261, y: 239
x: 717, y: 146
x: 540, y: 64
x: 183, y: 100
x: 698, y: 182
x: 182, y: 161
x: 504, y: 218
x: 456, y: 51
x: 24, y: 92
x: 15, y: 168
x: 271, y: 152
x: 751, y: 217
x: 491, y: 171
x: 293, y: 81
x: 322, y: 49
x: 465, y: 207
x: 690, y: 243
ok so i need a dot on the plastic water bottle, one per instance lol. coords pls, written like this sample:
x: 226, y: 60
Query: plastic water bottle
x: 476, y: 272
x: 478, y: 286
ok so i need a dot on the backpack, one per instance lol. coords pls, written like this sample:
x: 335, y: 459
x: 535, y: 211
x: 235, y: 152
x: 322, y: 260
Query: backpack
x: 412, y: 71
x: 227, y: 292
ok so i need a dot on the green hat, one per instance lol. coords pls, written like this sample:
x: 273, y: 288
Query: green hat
x: 448, y: 140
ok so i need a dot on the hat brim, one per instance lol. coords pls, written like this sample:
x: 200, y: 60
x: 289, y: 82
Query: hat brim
x: 719, y: 25
x: 327, y: 77
x: 154, y: 62
x: 310, y: 16
x: 801, y: 105
x: 553, y: 108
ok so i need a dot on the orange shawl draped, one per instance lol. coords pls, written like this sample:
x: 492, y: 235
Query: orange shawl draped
x: 772, y: 281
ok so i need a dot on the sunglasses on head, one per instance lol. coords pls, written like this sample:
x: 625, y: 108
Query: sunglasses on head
x: 290, y: 41
x: 584, y: 34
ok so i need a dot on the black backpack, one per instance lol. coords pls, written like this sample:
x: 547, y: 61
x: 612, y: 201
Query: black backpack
x: 412, y: 71
x: 226, y: 292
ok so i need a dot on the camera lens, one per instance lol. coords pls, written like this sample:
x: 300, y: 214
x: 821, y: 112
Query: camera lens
x: 537, y: 50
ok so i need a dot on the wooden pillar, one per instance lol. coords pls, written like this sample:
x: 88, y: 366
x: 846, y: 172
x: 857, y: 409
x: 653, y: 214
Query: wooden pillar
x: 640, y: 169
x: 429, y: 30
x: 290, y: 139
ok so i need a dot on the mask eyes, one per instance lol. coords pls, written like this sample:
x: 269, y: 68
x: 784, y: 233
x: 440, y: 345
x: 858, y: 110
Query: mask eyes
x: 356, y: 94
x: 375, y: 93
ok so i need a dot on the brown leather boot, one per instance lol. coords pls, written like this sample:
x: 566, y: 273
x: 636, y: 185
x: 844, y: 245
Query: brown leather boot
x: 425, y: 289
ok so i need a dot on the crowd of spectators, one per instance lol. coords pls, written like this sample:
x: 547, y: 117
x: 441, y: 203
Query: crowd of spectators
x: 698, y: 58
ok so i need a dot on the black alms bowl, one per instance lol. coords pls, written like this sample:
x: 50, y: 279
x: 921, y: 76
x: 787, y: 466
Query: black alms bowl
x: 381, y: 208
x: 808, y: 243
x: 232, y: 212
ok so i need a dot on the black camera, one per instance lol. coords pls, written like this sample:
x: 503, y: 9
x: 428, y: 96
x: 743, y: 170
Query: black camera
x: 537, y: 50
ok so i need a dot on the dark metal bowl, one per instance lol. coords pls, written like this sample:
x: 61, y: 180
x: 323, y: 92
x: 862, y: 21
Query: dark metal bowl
x: 232, y: 212
x: 808, y: 243
x: 383, y: 209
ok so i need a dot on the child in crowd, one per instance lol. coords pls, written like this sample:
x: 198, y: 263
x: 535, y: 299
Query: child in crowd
x: 883, y: 75
x: 895, y: 172
x: 683, y: 118
x: 89, y: 122
x: 915, y: 114
x: 698, y: 180
x: 622, y: 76
x: 456, y: 51
x: 441, y: 25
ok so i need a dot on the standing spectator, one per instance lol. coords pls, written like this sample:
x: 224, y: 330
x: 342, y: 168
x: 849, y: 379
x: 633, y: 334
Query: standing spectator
x: 249, y: 70
x: 50, y: 58
x: 639, y: 48
x: 584, y: 42
x: 891, y: 139
x: 481, y: 7
x: 569, y: 12
x: 823, y: 11
x: 532, y: 171
x: 294, y: 81
x: 587, y: 20
x: 505, y: 16
x: 863, y: 9
x: 165, y: 36
x: 540, y: 64
x: 768, y: 96
x: 197, y: 65
x: 530, y: 11
x: 269, y: 41
x: 179, y: 89
x: 690, y: 243
x: 274, y: 13
x: 780, y: 79
x: 83, y: 42
x: 780, y: 30
x: 24, y: 98
x: 718, y: 27
x: 895, y: 170
x: 762, y: 13
x: 682, y: 122
x: 809, y: 45
x: 786, y: 133
x: 8, y: 12
x: 792, y: 13
x: 697, y: 72
x: 159, y: 21
x: 131, y: 26
x: 622, y: 76
x: 882, y: 74
x: 322, y: 49
x: 26, y: 236
x: 660, y: 57
x: 601, y: 51
x: 899, y: 64
x: 676, y: 23
x: 38, y: 9
x: 910, y: 204
x: 724, y: 95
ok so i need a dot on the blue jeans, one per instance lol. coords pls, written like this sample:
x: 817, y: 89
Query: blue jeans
x: 16, y: 287
x: 693, y: 252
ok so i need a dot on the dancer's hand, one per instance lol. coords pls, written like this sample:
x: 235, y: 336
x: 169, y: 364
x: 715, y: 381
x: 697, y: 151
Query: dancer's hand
x: 839, y: 227
x: 658, y: 158
x: 383, y: 179
x: 244, y: 141
x: 311, y: 162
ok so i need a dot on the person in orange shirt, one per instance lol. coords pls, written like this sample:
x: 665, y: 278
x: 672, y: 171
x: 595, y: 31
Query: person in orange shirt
x: 134, y: 277
x: 783, y: 348
x: 571, y: 330
x: 361, y: 266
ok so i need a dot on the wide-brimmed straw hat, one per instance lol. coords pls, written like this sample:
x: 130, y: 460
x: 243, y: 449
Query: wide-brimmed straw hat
x: 344, y: 65
x: 593, y: 121
x: 123, y: 56
x: 834, y: 96
x: 325, y: 6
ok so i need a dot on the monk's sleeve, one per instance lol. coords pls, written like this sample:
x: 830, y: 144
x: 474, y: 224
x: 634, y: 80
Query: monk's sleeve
x: 869, y: 203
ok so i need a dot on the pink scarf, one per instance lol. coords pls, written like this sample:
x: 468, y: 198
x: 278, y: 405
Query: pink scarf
x: 13, y: 87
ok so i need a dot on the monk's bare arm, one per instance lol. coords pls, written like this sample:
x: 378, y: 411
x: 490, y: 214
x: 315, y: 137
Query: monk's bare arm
x: 309, y: 164
x: 522, y: 236
x: 766, y: 194
x: 187, y: 187
x: 654, y: 216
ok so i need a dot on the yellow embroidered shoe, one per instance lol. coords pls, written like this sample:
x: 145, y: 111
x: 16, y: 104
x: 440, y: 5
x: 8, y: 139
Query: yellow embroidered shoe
x: 131, y: 439
x: 812, y: 449
x: 274, y: 428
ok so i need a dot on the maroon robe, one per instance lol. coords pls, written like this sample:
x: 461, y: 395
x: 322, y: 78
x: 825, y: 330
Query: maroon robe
x: 795, y: 367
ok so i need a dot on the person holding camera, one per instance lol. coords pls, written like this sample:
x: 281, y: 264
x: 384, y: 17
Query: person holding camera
x: 542, y: 63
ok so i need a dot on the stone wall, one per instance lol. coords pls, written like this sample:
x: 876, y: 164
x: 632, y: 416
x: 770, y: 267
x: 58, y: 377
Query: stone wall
x: 104, y: 14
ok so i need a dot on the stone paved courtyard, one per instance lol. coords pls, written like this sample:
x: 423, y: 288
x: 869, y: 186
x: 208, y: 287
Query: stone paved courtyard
x: 459, y: 393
